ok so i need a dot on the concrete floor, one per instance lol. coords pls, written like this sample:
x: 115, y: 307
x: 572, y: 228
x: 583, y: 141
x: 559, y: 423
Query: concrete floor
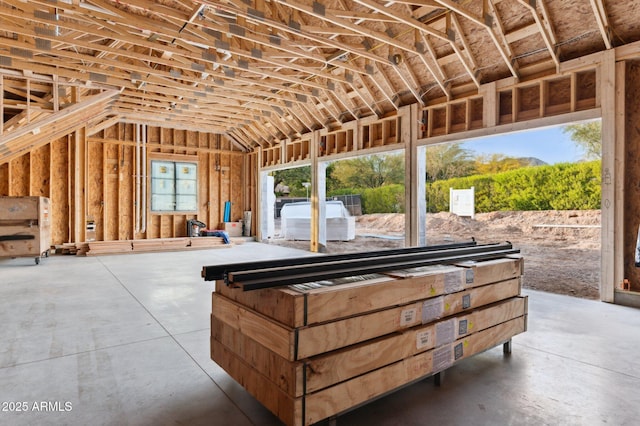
x: 124, y: 340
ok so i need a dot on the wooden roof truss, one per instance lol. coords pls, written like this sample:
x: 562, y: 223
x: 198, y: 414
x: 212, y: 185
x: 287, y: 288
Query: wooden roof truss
x: 261, y: 71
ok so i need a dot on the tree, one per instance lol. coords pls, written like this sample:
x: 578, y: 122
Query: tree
x: 588, y: 136
x: 293, y: 178
x: 496, y: 163
x: 372, y: 171
x: 447, y: 161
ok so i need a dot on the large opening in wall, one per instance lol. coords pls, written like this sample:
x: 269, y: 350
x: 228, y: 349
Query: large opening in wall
x: 539, y: 189
x: 365, y: 204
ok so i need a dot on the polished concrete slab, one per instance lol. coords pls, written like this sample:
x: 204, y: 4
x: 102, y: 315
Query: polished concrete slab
x: 124, y: 340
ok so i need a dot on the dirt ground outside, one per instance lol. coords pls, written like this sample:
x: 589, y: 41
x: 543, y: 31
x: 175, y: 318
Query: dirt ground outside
x: 561, y: 249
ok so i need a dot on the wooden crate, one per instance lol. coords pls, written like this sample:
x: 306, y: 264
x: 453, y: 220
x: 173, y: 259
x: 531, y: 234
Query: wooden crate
x: 311, y: 351
x: 304, y: 342
x: 25, y: 227
x: 298, y: 306
x: 316, y: 406
x: 297, y: 378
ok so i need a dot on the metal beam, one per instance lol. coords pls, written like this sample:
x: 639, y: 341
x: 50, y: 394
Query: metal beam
x: 276, y: 277
x: 220, y: 272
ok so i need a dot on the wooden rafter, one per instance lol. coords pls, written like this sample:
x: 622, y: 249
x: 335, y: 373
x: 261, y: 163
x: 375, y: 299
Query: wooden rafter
x: 547, y: 35
x: 603, y: 21
x: 385, y: 77
x: 470, y: 68
x: 410, y: 81
x: 463, y: 40
x: 503, y: 50
x: 435, y: 69
x: 377, y: 71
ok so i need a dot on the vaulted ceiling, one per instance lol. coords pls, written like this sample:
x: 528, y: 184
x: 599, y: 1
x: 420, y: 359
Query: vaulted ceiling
x: 264, y: 70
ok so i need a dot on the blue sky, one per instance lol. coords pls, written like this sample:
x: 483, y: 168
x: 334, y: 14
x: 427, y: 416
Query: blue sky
x: 550, y: 145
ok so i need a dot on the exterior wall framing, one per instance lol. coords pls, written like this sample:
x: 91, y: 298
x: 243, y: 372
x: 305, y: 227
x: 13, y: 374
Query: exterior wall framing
x: 92, y: 179
x: 586, y: 88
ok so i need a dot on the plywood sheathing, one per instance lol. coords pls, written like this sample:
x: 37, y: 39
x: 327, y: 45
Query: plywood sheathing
x: 40, y: 177
x: 59, y: 190
x: 575, y: 27
x: 623, y: 30
x: 632, y: 173
x: 19, y: 182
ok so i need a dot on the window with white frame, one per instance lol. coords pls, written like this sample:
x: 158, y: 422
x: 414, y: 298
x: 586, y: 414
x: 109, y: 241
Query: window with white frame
x: 174, y: 186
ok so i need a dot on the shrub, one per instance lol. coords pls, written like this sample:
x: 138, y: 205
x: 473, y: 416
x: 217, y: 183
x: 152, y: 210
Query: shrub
x: 564, y: 186
x: 384, y: 199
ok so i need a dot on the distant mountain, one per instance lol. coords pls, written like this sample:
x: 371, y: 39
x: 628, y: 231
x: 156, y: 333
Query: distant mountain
x: 531, y: 161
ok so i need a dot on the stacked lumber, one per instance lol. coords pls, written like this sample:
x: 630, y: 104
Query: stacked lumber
x: 160, y: 244
x: 310, y: 351
x: 206, y: 242
x: 95, y: 248
x: 67, y: 248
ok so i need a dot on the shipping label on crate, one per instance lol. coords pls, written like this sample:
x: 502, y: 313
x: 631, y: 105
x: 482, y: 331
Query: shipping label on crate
x: 445, y: 332
x: 424, y: 339
x: 432, y: 309
x: 458, y: 351
x: 408, y: 317
x: 469, y: 276
x: 453, y: 282
x: 442, y: 358
x: 463, y: 327
x: 466, y: 301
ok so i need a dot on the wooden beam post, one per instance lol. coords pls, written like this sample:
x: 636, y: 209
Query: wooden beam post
x: 79, y: 144
x: 489, y: 104
x: 415, y: 178
x: 622, y: 233
x: 610, y: 201
x: 318, y: 243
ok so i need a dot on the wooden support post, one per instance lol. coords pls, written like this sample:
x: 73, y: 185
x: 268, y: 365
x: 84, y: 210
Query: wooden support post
x: 318, y: 243
x: 489, y: 104
x: 106, y: 188
x: 621, y: 232
x: 79, y: 143
x: 574, y: 92
x: 415, y: 178
x: 262, y: 200
x: 610, y: 200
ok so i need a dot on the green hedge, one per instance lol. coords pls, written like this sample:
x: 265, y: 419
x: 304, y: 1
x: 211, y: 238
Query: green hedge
x: 566, y: 186
x: 384, y: 199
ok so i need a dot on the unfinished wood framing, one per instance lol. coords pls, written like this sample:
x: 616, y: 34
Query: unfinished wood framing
x: 263, y: 76
x: 91, y: 182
